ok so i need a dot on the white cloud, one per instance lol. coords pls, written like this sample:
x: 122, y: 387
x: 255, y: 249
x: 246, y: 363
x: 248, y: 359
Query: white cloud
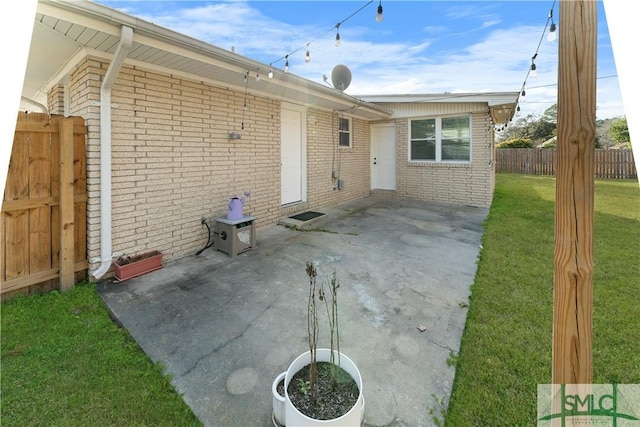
x: 495, y: 58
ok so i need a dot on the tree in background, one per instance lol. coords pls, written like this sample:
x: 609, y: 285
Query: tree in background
x: 619, y: 132
x: 535, y: 128
x: 540, y: 131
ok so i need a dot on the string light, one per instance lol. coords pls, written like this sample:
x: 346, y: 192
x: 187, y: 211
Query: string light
x: 379, y: 18
x: 552, y: 36
x: 257, y: 76
x: 270, y: 75
x: 533, y: 71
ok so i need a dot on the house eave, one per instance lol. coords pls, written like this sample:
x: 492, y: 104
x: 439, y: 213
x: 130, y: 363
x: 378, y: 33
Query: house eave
x: 156, y: 47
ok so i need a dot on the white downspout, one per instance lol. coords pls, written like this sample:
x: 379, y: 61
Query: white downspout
x: 106, y: 257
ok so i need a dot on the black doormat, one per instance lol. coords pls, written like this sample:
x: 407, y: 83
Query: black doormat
x: 306, y: 216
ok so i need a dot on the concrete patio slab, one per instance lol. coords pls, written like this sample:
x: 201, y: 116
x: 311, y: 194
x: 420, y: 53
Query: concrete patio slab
x: 225, y: 327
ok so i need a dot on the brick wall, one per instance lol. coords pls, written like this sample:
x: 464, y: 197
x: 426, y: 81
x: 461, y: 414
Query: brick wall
x: 351, y: 165
x: 457, y: 183
x: 174, y: 164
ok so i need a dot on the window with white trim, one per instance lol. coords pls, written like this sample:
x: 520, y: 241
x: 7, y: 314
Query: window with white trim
x: 344, y: 132
x: 440, y: 139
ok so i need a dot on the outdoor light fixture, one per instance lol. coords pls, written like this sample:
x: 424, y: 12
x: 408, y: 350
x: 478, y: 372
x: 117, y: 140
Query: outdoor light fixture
x: 257, y: 76
x: 337, y: 34
x: 286, y: 64
x: 552, y: 33
x: 307, y: 57
x: 552, y: 28
x: 270, y: 75
x: 379, y: 14
x: 523, y: 96
x: 532, y: 72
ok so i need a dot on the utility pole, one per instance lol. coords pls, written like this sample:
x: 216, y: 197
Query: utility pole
x: 573, y: 262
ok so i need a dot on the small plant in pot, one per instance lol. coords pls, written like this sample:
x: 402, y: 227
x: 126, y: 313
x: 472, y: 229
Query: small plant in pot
x: 132, y: 266
x: 322, y: 386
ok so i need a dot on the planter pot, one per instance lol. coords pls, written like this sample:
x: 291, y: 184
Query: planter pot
x: 129, y: 267
x: 278, y: 401
x: 293, y: 417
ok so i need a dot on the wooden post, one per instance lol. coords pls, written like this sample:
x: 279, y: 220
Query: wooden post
x: 573, y: 264
x: 66, y: 204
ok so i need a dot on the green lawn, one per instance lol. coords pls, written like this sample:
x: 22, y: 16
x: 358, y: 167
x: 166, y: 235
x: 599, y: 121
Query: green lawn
x: 506, y: 346
x: 65, y: 363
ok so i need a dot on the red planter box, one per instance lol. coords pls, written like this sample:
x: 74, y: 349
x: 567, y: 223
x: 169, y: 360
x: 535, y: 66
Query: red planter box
x: 137, y: 265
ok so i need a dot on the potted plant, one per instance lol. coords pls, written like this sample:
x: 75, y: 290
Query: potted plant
x: 321, y: 387
x: 136, y: 265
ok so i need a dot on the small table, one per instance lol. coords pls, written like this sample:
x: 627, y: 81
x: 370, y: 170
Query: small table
x: 234, y: 236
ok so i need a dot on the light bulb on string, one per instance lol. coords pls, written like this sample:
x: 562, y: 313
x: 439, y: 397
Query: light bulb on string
x: 337, y: 34
x: 307, y: 57
x: 286, y: 64
x: 379, y: 16
x: 270, y: 75
x: 552, y: 36
x: 552, y: 28
x: 532, y: 71
x: 523, y: 96
x: 257, y: 76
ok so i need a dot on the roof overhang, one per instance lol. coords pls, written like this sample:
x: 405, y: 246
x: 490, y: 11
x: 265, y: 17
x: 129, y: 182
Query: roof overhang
x: 66, y: 32
x: 502, y: 105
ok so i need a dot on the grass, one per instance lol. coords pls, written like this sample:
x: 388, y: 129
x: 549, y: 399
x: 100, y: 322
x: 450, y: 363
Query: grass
x: 64, y: 363
x: 506, y: 345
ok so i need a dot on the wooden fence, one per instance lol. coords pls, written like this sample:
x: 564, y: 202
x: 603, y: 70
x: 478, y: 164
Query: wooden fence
x: 43, y: 220
x: 609, y: 164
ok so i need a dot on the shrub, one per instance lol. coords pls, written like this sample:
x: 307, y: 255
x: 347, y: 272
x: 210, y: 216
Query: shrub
x: 516, y: 143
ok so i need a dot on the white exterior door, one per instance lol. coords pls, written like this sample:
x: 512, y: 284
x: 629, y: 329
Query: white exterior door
x: 383, y: 157
x: 292, y: 154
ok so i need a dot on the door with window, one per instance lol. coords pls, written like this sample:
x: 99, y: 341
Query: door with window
x: 383, y: 157
x: 292, y: 154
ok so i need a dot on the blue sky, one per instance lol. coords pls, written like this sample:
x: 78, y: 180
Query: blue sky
x: 420, y: 47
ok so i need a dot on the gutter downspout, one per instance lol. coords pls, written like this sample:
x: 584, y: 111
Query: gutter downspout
x: 106, y: 257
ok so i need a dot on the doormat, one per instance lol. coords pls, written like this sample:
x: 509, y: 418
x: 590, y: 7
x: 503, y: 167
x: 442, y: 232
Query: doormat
x: 306, y: 216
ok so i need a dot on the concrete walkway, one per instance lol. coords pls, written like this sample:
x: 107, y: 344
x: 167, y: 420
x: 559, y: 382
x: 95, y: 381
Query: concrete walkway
x: 225, y: 327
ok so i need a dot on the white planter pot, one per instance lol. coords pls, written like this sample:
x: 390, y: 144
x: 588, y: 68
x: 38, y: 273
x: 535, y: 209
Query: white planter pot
x: 295, y: 418
x: 278, y: 401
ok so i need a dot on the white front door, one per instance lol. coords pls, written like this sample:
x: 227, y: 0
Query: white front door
x: 292, y: 154
x: 383, y: 157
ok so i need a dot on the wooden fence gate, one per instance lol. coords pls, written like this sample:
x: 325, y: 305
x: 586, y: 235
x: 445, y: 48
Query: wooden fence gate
x: 43, y: 224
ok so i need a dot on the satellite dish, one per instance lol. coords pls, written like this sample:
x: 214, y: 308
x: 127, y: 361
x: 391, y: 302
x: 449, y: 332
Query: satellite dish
x: 341, y: 77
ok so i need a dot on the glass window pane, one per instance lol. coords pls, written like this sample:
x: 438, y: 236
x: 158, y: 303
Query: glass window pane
x: 423, y: 150
x: 455, y: 149
x: 455, y: 126
x: 344, y: 125
x: 423, y: 129
x: 344, y: 139
x: 456, y: 137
